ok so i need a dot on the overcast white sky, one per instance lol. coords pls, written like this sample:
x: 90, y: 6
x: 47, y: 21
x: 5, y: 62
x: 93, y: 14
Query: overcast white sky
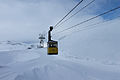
x: 23, y: 20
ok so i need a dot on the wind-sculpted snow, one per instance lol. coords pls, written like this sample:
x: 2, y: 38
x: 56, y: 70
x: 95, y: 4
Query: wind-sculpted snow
x: 40, y: 66
x: 67, y: 70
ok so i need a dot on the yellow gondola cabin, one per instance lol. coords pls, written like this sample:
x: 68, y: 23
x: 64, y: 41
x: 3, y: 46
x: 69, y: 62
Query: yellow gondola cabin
x: 52, y: 48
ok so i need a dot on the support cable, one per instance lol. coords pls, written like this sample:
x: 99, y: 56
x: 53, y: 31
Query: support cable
x: 90, y: 19
x: 68, y: 13
x: 77, y: 12
x: 87, y: 28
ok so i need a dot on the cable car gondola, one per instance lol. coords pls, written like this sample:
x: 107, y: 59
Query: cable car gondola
x: 52, y: 46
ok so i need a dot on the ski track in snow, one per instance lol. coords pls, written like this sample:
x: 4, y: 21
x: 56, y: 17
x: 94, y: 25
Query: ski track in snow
x: 44, y: 67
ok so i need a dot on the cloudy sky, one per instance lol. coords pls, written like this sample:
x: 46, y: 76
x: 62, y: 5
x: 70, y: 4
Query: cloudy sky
x: 23, y: 20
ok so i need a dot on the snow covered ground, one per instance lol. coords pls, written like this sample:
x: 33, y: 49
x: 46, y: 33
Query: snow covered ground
x: 11, y: 45
x: 35, y: 64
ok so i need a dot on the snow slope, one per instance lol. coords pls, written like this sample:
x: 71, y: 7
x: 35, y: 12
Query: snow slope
x: 12, y: 45
x: 101, y: 42
x: 35, y: 64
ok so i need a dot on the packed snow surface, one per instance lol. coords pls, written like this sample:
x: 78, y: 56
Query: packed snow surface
x: 35, y: 64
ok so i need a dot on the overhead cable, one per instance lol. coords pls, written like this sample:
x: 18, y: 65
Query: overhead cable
x: 77, y: 12
x: 92, y: 26
x: 90, y: 19
x: 68, y: 13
